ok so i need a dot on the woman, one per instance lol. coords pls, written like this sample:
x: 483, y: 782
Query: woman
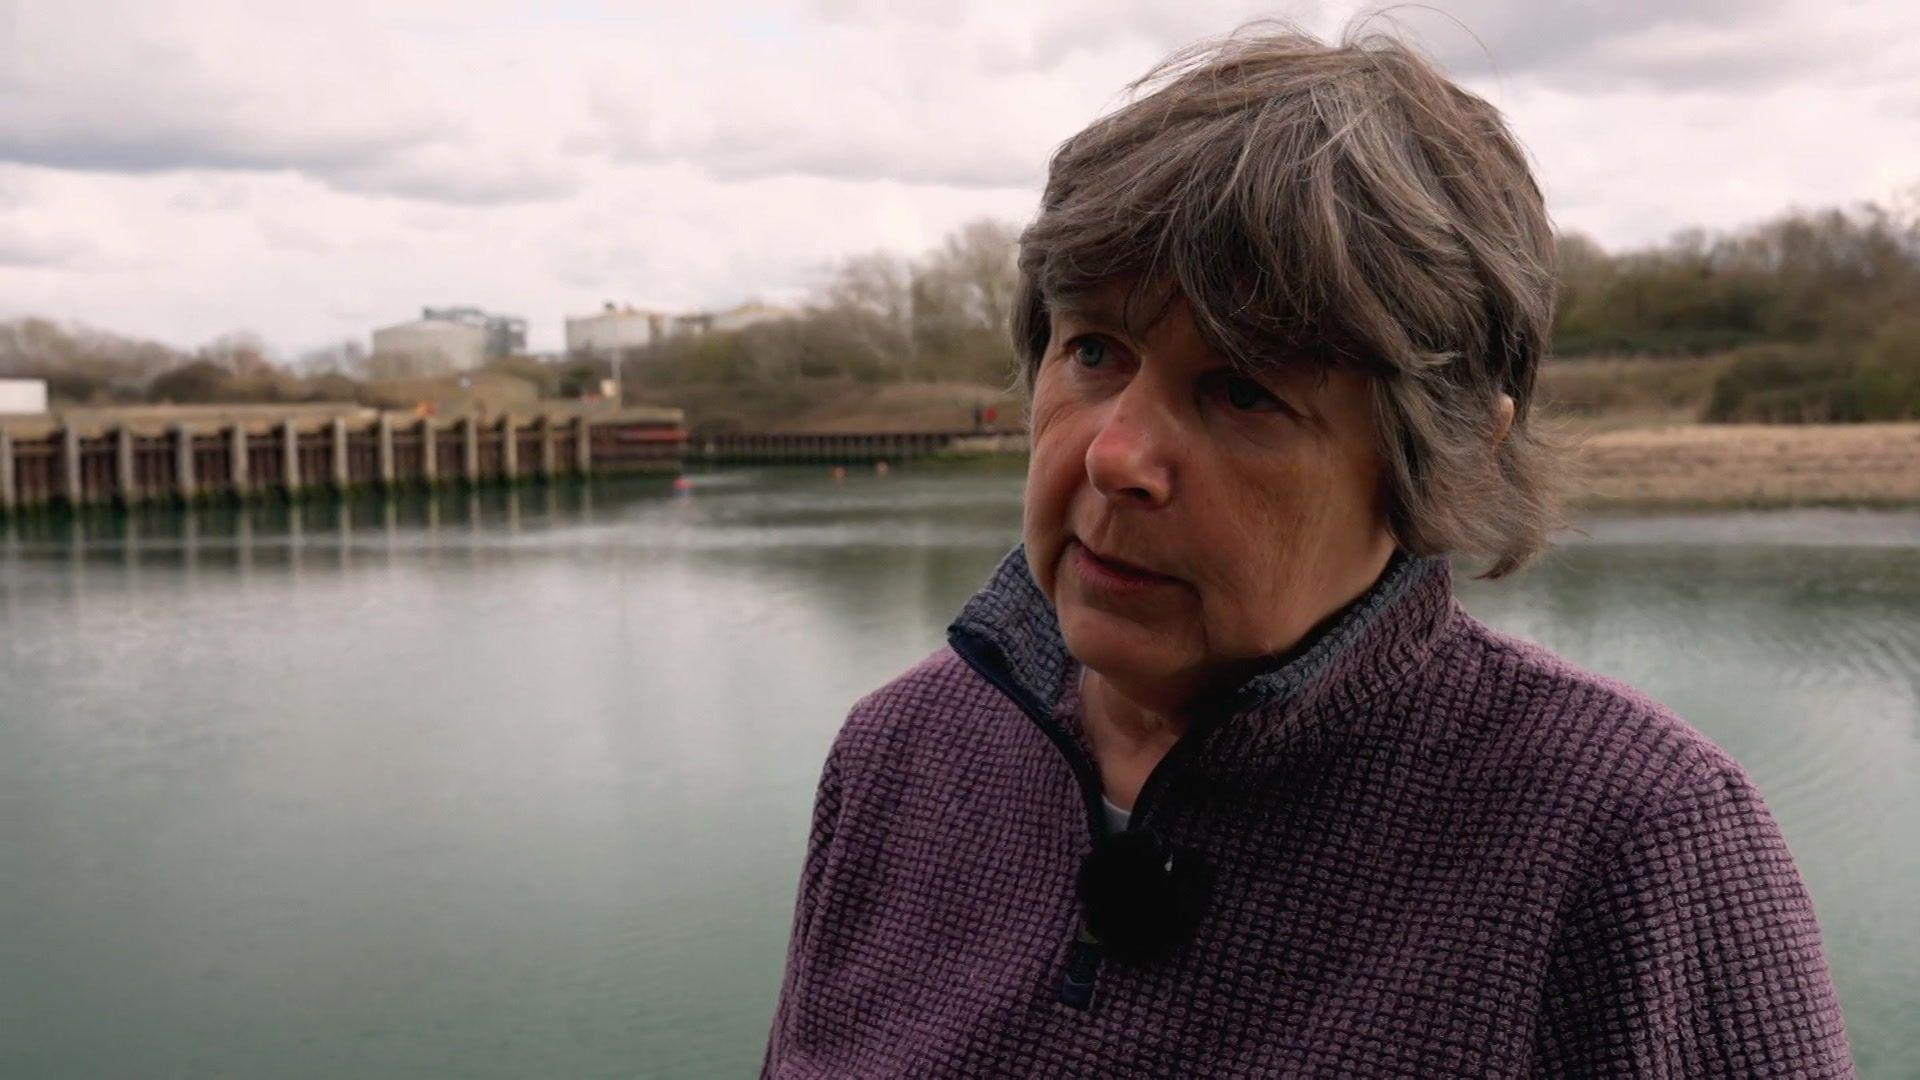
x: 1214, y: 776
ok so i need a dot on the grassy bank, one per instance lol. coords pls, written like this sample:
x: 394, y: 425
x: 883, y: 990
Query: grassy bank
x: 1605, y: 393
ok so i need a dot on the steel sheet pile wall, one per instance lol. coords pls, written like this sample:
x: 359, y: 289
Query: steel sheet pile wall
x: 119, y: 466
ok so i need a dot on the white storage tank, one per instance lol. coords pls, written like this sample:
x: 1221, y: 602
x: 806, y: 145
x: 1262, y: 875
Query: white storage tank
x: 429, y: 347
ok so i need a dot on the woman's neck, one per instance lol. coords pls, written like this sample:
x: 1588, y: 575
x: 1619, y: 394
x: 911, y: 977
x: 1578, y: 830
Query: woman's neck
x: 1127, y: 739
x: 1123, y: 716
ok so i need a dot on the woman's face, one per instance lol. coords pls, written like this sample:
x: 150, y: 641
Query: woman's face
x: 1255, y: 504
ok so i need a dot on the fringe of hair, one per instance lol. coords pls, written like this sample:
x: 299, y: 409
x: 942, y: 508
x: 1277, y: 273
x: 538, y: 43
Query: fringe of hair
x: 1336, y: 206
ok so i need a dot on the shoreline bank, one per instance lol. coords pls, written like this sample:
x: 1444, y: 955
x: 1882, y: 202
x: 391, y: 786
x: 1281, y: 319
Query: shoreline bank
x: 1691, y: 466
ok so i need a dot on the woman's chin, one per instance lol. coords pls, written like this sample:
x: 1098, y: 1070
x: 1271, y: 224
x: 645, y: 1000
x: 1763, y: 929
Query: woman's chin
x: 1112, y: 644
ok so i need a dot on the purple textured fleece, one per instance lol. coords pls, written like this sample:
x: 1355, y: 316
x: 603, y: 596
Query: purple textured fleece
x: 1436, y: 850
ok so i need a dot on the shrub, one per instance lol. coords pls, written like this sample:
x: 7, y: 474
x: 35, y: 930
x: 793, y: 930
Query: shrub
x: 1672, y: 387
x: 331, y: 386
x: 199, y: 382
x: 1889, y: 379
x: 1814, y: 384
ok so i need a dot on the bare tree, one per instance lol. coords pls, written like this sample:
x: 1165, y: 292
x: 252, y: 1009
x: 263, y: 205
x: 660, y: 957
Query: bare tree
x: 240, y: 351
x: 344, y: 357
x: 976, y: 265
x: 79, y: 362
x: 870, y: 302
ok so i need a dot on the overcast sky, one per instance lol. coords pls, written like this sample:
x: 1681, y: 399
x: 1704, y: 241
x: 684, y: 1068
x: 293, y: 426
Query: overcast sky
x: 181, y: 170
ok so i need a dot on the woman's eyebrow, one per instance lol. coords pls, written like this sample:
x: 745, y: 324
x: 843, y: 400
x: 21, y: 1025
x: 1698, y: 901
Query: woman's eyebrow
x: 1088, y: 311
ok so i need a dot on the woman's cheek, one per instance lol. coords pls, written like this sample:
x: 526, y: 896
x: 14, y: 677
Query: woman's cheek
x: 1047, y: 408
x: 1055, y: 461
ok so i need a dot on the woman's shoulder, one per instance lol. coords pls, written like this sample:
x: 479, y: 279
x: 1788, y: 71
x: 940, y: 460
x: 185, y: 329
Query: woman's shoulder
x: 937, y: 701
x: 1588, y: 738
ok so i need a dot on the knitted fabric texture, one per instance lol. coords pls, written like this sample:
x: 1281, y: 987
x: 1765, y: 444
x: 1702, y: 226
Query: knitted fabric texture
x: 1436, y: 850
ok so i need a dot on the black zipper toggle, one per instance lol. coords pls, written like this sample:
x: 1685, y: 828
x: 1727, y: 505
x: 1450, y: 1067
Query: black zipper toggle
x: 1083, y: 969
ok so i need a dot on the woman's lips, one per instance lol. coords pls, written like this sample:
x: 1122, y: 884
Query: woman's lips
x: 1111, y: 576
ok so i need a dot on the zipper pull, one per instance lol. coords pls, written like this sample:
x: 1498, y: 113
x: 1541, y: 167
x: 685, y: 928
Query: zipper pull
x: 1083, y: 969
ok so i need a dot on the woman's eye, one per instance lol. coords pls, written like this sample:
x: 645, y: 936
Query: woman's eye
x: 1088, y: 350
x: 1245, y: 394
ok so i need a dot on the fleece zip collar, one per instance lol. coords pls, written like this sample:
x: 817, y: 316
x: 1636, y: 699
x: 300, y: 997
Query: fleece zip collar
x: 1009, y: 632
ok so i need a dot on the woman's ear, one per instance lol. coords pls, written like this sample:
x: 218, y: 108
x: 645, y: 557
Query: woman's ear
x: 1504, y: 420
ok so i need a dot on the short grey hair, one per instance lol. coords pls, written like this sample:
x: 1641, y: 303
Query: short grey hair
x: 1343, y: 206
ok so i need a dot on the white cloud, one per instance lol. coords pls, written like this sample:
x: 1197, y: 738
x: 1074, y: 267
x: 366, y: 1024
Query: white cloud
x: 181, y: 170
x: 348, y: 101
x: 23, y: 247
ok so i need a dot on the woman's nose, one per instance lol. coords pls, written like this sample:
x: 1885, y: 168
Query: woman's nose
x: 1128, y: 458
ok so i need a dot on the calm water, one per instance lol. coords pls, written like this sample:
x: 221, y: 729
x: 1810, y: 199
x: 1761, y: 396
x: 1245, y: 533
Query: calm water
x: 519, y: 786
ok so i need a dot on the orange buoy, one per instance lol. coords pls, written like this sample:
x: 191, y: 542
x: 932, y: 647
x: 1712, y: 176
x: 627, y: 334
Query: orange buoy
x: 880, y: 467
x: 682, y: 484
x: 839, y: 472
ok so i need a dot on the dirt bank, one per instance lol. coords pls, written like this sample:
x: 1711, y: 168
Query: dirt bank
x: 1729, y: 465
x: 1638, y: 445
x: 1724, y: 466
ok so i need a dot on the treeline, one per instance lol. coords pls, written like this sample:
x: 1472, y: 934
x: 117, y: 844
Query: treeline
x: 877, y: 318
x: 1816, y: 313
x: 84, y: 366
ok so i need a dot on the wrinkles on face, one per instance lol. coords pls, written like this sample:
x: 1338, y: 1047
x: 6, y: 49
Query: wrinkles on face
x: 1268, y: 518
x: 1290, y: 513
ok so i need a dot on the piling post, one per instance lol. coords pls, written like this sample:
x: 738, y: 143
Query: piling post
x: 70, y: 463
x: 582, y: 445
x: 429, y: 468
x: 289, y: 458
x: 341, y: 478
x: 547, y: 449
x: 385, y: 428
x: 123, y: 469
x: 470, y: 440
x: 239, y: 469
x: 9, y: 497
x: 509, y: 449
x: 183, y: 462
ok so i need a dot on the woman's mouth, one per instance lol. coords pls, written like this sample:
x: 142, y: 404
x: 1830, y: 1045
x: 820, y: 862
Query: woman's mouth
x: 1111, y: 576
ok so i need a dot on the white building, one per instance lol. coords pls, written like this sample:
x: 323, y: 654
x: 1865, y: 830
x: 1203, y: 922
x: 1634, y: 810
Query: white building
x: 428, y: 347
x: 625, y: 327
x: 506, y: 334
x: 615, y: 329
x: 447, y: 339
x: 20, y: 396
x: 745, y: 315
